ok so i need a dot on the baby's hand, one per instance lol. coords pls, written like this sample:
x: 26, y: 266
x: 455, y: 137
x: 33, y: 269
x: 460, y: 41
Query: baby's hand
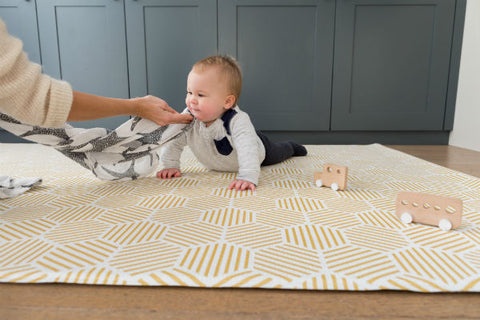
x: 241, y: 185
x: 169, y: 173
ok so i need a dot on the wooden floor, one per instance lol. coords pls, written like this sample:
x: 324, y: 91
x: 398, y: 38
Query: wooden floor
x: 57, y: 301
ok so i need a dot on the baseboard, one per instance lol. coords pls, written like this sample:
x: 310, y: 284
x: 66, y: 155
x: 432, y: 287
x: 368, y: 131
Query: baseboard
x: 362, y: 137
x: 7, y: 137
x: 323, y: 137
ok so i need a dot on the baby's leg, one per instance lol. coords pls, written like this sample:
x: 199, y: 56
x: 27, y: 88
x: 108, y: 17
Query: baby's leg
x: 276, y: 152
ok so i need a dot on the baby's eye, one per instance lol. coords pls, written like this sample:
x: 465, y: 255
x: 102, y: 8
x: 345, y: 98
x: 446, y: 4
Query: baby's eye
x: 201, y: 95
x: 188, y: 92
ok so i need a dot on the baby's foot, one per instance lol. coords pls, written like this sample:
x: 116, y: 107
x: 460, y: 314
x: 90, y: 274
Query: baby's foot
x: 298, y: 149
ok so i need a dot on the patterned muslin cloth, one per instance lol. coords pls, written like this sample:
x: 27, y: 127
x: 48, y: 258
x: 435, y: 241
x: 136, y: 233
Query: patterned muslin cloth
x: 127, y: 152
x: 11, y: 187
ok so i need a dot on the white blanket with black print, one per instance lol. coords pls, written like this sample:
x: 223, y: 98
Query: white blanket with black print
x: 127, y: 152
x: 11, y: 187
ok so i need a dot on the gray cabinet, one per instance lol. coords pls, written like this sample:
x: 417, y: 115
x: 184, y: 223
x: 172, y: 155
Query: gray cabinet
x: 285, y: 48
x: 165, y: 38
x: 21, y: 19
x: 391, y: 68
x: 319, y: 71
x: 83, y: 42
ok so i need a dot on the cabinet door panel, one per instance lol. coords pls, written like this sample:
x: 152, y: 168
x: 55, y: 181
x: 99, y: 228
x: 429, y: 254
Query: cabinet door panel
x: 165, y: 38
x: 83, y: 42
x: 285, y: 49
x: 391, y: 64
x: 21, y: 20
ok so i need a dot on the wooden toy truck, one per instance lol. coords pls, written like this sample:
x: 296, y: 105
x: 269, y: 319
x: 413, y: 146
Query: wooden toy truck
x: 444, y: 212
x: 333, y: 176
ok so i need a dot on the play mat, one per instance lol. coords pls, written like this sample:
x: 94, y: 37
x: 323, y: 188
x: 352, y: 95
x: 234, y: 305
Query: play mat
x: 193, y: 231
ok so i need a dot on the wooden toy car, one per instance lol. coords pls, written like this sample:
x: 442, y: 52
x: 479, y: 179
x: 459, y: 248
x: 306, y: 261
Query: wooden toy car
x: 444, y: 212
x: 333, y: 176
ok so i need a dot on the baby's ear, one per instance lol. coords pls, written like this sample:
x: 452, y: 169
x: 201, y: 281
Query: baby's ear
x: 229, y: 101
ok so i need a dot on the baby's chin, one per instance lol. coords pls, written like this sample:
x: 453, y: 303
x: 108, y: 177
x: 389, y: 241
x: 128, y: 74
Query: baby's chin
x: 195, y: 114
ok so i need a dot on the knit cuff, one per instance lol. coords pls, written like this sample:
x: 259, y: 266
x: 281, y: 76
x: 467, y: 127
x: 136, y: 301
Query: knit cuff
x: 61, y: 99
x: 249, y: 175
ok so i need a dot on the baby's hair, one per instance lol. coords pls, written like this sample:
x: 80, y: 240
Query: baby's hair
x: 229, y: 69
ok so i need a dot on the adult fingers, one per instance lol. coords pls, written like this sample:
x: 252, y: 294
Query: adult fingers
x: 179, y: 118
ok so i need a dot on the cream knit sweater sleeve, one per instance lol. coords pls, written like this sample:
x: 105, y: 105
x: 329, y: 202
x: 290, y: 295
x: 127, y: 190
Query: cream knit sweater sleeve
x: 25, y: 93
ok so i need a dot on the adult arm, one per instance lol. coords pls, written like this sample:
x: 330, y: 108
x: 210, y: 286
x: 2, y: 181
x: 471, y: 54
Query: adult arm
x: 25, y: 93
x: 88, y: 107
x: 37, y: 99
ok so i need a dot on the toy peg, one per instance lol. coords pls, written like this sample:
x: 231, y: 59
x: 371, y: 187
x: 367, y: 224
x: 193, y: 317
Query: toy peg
x: 333, y: 176
x: 443, y: 212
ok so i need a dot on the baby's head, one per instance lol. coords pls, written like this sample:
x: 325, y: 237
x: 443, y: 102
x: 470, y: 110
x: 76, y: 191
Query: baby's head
x: 213, y: 86
x: 229, y: 72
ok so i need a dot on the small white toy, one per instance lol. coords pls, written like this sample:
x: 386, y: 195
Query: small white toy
x: 333, y: 176
x: 444, y: 212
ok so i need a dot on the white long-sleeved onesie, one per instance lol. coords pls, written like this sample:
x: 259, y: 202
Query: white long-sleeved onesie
x: 229, y: 144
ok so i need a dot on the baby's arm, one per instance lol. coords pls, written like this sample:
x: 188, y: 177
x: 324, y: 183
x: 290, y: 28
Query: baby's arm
x: 244, y: 138
x: 170, y: 157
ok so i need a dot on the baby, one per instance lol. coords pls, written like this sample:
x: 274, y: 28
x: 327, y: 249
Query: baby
x: 222, y: 136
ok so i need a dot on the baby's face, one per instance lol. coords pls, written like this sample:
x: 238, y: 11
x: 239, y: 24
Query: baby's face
x: 207, y: 95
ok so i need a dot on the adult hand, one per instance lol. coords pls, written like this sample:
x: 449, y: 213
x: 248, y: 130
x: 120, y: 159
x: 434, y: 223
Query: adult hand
x: 157, y: 110
x: 241, y: 185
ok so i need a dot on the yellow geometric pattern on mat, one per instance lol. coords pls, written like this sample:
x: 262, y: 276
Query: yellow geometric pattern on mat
x: 216, y: 260
x: 300, y: 204
x: 193, y: 231
x: 314, y: 237
x: 21, y: 252
x: 25, y: 229
x: 228, y: 217
x: 376, y: 238
x: 275, y: 193
x: 125, y: 214
x: 454, y: 243
x: 363, y: 264
x: 434, y: 265
x: 231, y: 194
x: 77, y: 255
x: 254, y: 235
x: 119, y: 201
x: 24, y: 273
x: 75, y: 200
x: 136, y: 232
x: 77, y: 231
x: 81, y: 213
x: 380, y: 218
x: 98, y: 275
x: 287, y: 262
x: 279, y: 218
x: 145, y: 257
x: 473, y: 235
x: 193, y: 234
x: 254, y: 203
x: 161, y: 202
x: 333, y: 218
x: 170, y: 216
x: 331, y: 282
